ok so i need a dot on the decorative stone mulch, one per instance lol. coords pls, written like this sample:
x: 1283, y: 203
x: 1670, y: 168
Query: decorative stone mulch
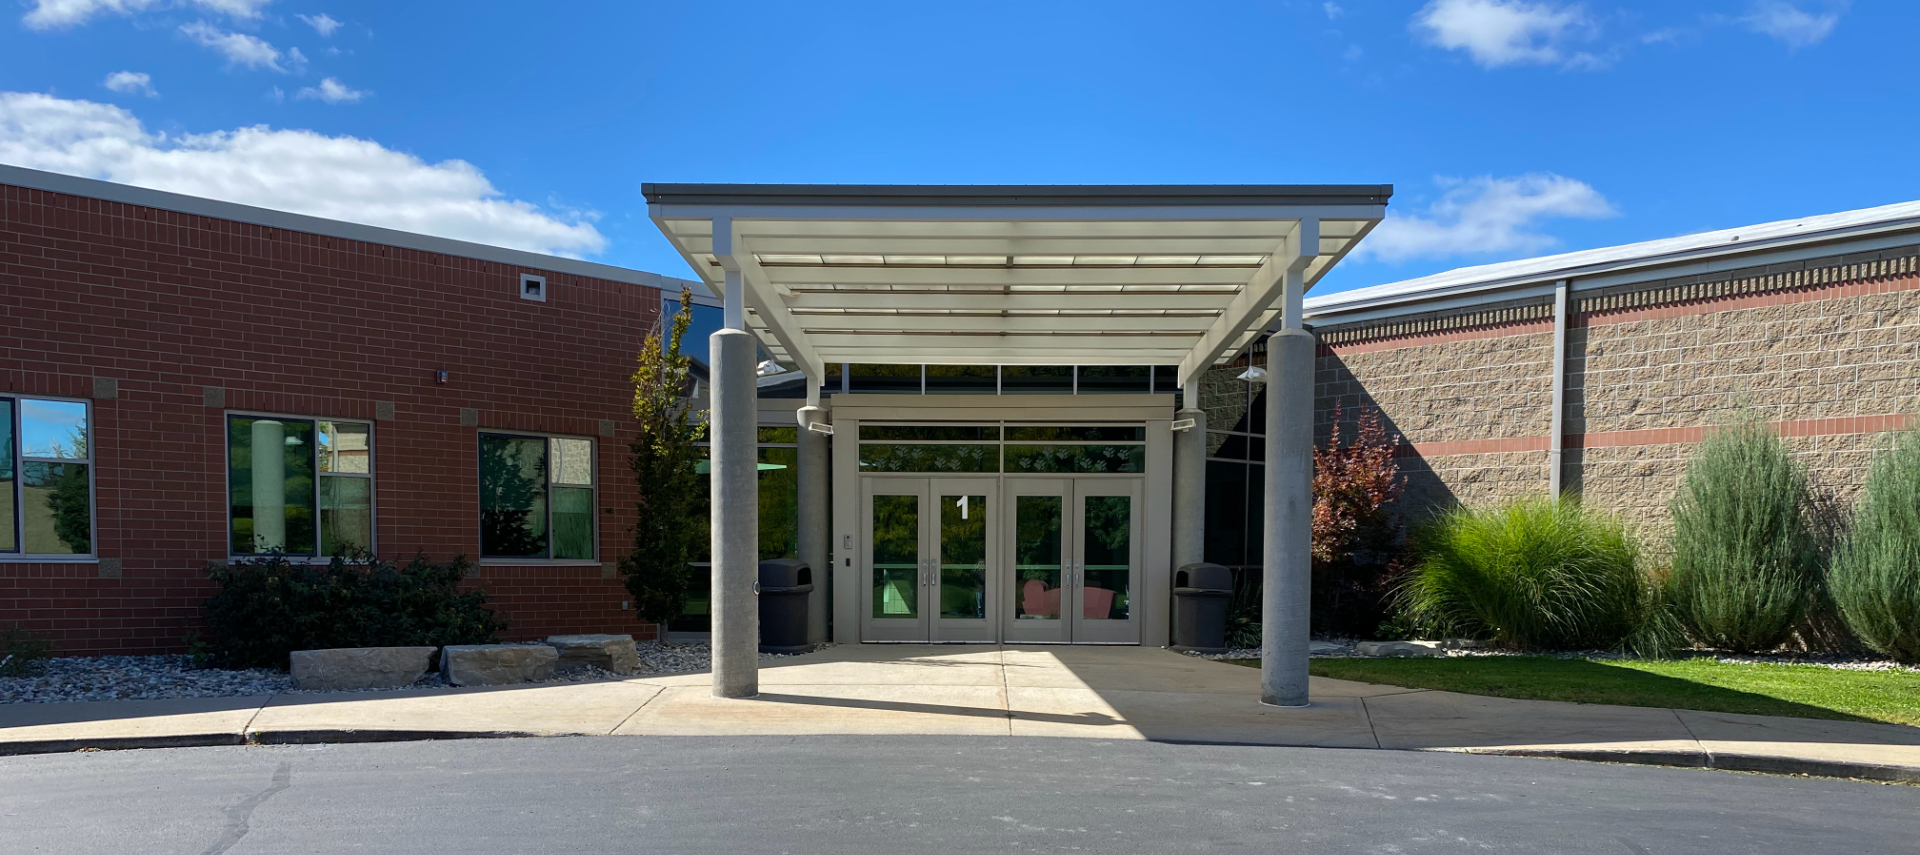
x: 1346, y: 648
x: 126, y: 678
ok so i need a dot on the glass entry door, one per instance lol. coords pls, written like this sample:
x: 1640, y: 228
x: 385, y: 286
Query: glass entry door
x: 1073, y: 559
x: 928, y: 557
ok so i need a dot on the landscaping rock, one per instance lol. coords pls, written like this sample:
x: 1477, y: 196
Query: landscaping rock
x: 1399, y: 649
x: 615, y: 653
x: 497, y: 664
x: 359, y: 667
x: 1327, y: 648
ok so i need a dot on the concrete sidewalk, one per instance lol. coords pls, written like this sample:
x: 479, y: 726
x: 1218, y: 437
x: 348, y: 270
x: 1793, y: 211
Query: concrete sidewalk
x: 993, y: 691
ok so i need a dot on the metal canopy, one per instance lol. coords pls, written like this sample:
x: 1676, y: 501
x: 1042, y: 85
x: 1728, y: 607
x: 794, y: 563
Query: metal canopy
x: 1012, y: 275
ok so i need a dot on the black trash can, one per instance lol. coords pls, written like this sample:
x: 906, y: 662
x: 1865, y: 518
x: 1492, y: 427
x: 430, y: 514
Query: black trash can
x: 785, y: 584
x: 1200, y: 593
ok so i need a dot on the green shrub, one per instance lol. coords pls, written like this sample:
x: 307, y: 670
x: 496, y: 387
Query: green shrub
x: 1746, y: 551
x: 23, y: 653
x: 1533, y: 574
x: 268, y: 607
x: 1875, y: 579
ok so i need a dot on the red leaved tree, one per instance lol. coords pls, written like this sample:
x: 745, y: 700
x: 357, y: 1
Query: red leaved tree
x: 1356, y: 539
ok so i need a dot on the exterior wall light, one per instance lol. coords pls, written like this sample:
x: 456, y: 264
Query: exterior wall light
x: 1255, y: 374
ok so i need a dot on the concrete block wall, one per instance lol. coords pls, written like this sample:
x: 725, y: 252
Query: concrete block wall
x: 192, y: 316
x: 1827, y: 350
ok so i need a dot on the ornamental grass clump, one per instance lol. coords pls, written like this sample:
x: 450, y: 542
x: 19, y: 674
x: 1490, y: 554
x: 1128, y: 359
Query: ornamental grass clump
x: 1746, y: 548
x: 1875, y: 579
x: 1532, y: 574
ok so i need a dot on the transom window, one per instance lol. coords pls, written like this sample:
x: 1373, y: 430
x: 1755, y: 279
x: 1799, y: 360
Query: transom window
x: 299, y: 486
x: 46, y: 478
x: 537, y: 497
x: 1013, y: 448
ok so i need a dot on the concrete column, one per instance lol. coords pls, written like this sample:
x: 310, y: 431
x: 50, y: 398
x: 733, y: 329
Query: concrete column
x: 814, y: 509
x: 736, y: 517
x: 1287, y: 571
x: 1190, y: 488
x: 269, y: 458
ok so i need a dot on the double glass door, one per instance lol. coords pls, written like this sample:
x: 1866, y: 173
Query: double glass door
x: 930, y: 557
x: 1074, y: 560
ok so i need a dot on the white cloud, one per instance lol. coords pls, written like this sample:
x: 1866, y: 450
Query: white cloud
x: 1353, y: 53
x: 1787, y: 24
x: 1332, y: 9
x: 238, y: 48
x: 332, y: 91
x: 1496, y: 33
x: 323, y: 23
x: 53, y: 14
x: 131, y: 83
x: 1485, y: 215
x: 342, y: 177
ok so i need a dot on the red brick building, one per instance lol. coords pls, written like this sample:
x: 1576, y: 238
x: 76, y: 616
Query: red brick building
x: 149, y: 340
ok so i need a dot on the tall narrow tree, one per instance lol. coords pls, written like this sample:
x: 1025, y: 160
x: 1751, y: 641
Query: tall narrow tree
x: 665, y: 460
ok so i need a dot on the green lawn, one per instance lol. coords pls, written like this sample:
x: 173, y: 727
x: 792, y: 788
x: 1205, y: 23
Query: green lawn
x: 1805, y: 691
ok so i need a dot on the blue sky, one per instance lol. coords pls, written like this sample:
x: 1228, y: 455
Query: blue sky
x: 1509, y: 128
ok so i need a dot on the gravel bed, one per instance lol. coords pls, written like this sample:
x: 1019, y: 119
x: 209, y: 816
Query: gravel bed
x: 1345, y: 648
x: 144, y: 678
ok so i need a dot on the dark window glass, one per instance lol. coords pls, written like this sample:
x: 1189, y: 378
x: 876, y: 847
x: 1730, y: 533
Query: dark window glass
x: 1107, y: 542
x: 1166, y: 378
x: 1076, y: 458
x: 962, y: 379
x: 270, y: 485
x: 1257, y: 410
x: 1036, y: 379
x: 1076, y: 433
x: 1256, y: 492
x: 896, y: 557
x: 1036, y: 557
x: 707, y: 320
x: 9, y: 541
x: 780, y: 434
x: 513, y: 496
x: 929, y: 458
x: 1227, y: 445
x: 779, y: 501
x: 1226, y: 529
x: 1095, y: 379
x: 884, y: 379
x: 931, y: 433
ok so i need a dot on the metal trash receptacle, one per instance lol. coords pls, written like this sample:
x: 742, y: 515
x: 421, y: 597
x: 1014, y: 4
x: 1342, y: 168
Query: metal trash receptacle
x: 785, y: 584
x: 1200, y: 595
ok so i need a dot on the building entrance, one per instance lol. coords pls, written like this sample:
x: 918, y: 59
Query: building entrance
x: 1011, y: 558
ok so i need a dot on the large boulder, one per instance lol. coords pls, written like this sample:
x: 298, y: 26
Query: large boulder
x: 359, y: 667
x: 497, y: 664
x: 608, y: 652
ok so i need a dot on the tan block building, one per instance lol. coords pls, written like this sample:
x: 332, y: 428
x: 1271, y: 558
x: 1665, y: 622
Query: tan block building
x: 1597, y: 371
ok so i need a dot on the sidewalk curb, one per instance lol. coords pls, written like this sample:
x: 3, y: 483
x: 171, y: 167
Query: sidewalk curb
x: 1767, y: 763
x: 1763, y: 763
x: 316, y: 736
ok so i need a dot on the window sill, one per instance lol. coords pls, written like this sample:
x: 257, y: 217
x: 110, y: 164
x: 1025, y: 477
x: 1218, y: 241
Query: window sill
x: 49, y: 559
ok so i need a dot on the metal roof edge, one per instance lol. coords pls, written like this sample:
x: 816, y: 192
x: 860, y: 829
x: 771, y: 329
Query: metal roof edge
x: 968, y: 195
x: 92, y: 188
x: 1411, y: 295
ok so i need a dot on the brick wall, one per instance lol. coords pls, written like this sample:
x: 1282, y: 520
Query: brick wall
x: 1827, y: 350
x: 170, y: 304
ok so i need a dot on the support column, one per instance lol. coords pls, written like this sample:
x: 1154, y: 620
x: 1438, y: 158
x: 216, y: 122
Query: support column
x: 736, y: 512
x: 1287, y: 571
x: 814, y: 507
x: 1556, y: 448
x: 1190, y: 481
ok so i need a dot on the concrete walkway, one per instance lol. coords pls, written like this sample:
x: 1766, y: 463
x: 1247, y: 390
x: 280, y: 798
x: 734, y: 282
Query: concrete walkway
x: 993, y: 691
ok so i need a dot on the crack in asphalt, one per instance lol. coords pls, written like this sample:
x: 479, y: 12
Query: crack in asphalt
x: 239, y: 816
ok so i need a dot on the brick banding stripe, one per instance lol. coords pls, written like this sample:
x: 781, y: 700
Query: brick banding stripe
x: 1655, y: 436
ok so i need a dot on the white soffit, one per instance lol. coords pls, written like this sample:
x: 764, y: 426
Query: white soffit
x: 1012, y: 275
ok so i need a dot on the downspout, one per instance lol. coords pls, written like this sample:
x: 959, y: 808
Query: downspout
x: 1556, y: 440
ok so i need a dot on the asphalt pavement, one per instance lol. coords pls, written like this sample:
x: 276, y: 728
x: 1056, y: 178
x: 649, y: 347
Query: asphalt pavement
x: 913, y: 794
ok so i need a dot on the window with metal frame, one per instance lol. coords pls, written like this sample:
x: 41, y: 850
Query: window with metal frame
x: 299, y: 486
x: 46, y: 478
x: 537, y: 497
